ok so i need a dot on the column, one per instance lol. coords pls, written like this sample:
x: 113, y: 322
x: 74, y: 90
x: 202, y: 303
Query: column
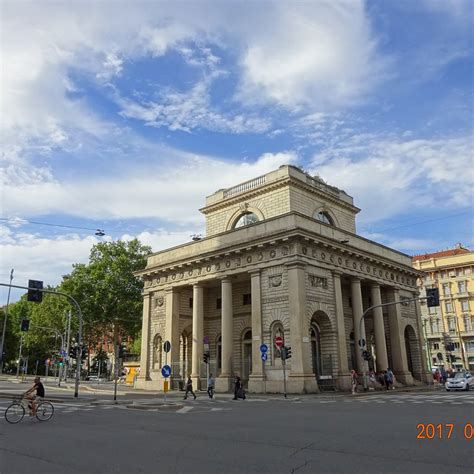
x: 341, y: 330
x: 145, y: 350
x: 426, y: 375
x: 198, y: 333
x: 359, y: 329
x: 256, y: 377
x: 223, y: 382
x: 301, y: 378
x: 380, y: 343
x: 397, y: 339
x: 172, y: 331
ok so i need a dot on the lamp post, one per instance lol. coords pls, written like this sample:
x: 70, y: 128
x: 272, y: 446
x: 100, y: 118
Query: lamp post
x: 463, y: 355
x: 428, y: 350
x: 2, y: 345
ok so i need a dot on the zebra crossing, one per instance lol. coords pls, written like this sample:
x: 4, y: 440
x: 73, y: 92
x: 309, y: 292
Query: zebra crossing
x: 435, y: 399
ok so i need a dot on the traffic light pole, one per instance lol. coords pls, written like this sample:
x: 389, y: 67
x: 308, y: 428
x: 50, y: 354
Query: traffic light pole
x: 79, y: 313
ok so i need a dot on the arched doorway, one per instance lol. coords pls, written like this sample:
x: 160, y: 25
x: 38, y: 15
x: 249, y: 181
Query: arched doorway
x: 246, y: 355
x: 413, y: 352
x: 322, y: 343
x: 316, y: 349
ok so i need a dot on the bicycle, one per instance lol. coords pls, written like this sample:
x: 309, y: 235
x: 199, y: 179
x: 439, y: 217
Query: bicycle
x: 17, y: 409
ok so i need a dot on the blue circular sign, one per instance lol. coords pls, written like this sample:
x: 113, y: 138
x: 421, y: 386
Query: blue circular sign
x: 264, y: 356
x: 166, y: 371
x: 263, y: 348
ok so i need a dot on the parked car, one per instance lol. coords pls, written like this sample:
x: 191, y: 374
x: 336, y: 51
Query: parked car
x: 460, y: 381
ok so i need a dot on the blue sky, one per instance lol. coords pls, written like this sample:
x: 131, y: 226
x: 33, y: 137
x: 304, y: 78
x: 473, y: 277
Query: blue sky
x: 123, y: 116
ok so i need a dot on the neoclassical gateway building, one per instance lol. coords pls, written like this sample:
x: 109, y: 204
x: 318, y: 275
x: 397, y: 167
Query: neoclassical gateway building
x: 281, y: 257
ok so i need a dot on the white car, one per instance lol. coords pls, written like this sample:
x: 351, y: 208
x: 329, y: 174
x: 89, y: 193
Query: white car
x: 460, y: 381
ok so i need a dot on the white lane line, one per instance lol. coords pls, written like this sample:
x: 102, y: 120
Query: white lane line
x: 184, y: 410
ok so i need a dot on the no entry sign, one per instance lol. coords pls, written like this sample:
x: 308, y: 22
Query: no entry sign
x: 279, y: 341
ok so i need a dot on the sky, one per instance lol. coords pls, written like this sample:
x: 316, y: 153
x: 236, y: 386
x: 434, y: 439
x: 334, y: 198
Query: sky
x: 123, y: 116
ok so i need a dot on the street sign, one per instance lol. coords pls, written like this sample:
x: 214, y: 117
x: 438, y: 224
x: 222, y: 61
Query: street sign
x: 166, y: 371
x: 264, y: 356
x: 167, y: 346
x: 263, y: 348
x: 362, y: 342
x: 278, y: 341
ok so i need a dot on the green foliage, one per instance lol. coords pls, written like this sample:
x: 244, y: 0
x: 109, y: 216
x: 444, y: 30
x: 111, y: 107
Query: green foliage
x: 107, y: 290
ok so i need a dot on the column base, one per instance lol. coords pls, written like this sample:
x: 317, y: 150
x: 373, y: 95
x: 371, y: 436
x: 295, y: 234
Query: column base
x: 343, y: 382
x: 196, y: 382
x: 224, y: 384
x: 404, y: 377
x: 256, y: 384
x: 302, y: 383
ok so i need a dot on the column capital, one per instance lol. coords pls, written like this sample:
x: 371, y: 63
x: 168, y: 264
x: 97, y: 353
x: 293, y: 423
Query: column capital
x: 355, y: 280
x: 198, y: 285
x: 337, y: 273
x: 225, y: 279
x: 375, y: 284
x: 295, y: 264
x: 255, y: 273
x: 171, y: 289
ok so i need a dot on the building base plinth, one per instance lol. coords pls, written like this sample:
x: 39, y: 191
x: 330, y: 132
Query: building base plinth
x: 256, y: 384
x: 223, y: 384
x: 302, y: 383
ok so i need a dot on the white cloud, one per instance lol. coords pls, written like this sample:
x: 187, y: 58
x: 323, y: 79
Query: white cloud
x: 389, y: 176
x: 152, y: 191
x: 319, y: 55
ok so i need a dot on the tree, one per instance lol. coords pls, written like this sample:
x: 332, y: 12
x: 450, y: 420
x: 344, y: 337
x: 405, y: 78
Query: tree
x: 107, y: 290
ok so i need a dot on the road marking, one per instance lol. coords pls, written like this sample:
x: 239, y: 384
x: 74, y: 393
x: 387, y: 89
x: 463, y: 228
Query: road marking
x: 184, y: 410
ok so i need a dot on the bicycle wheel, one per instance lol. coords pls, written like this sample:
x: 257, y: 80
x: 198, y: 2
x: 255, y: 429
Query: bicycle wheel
x: 15, y: 413
x: 45, y: 411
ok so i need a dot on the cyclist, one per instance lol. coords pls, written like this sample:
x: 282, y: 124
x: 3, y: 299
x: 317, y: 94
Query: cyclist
x: 35, y: 399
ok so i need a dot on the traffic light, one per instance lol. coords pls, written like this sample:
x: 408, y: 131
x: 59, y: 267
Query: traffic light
x: 84, y: 352
x: 35, y: 295
x: 73, y: 352
x: 432, y: 297
x: 25, y: 325
x: 122, y: 351
x: 285, y: 352
x: 206, y: 357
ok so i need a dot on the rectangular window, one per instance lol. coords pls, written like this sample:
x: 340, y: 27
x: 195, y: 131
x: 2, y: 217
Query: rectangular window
x: 451, y: 324
x: 435, y: 345
x: 470, y: 345
x: 449, y: 307
x: 247, y: 299
x: 443, y: 274
x: 219, y: 303
x: 462, y: 286
x: 465, y: 305
x: 468, y: 323
x: 432, y: 310
x: 467, y: 271
x: 456, y: 346
x: 446, y: 289
x: 190, y: 302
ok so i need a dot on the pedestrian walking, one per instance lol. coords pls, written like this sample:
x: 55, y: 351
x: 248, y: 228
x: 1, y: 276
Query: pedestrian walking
x: 239, y: 391
x: 210, y: 386
x: 189, y: 388
x: 389, y: 379
x: 354, y: 381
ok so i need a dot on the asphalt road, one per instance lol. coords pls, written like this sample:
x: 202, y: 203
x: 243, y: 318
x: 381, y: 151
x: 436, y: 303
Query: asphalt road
x: 373, y: 433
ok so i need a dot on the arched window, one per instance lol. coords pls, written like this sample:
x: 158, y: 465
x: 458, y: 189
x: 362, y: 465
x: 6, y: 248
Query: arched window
x: 246, y: 219
x: 323, y: 216
x: 315, y: 335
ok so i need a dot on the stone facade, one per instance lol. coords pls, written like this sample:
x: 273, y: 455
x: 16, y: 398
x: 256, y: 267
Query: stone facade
x: 297, y: 270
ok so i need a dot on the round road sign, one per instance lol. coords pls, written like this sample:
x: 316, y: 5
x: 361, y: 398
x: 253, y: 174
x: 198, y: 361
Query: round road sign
x: 279, y: 341
x: 263, y: 348
x: 166, y: 371
x: 264, y: 356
